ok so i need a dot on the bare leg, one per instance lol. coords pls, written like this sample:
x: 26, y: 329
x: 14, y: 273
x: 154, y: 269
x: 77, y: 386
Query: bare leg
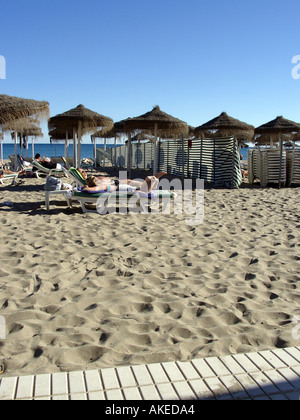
x: 153, y: 181
x: 8, y: 172
x: 125, y: 181
x: 150, y: 183
x: 160, y: 174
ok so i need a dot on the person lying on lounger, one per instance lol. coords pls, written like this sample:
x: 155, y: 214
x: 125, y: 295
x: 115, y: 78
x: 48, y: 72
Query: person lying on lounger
x: 46, y: 163
x: 108, y: 184
x: 8, y: 172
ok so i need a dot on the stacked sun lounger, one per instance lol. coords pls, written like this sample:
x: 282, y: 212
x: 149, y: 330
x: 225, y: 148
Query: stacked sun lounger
x: 264, y: 165
x: 293, y: 166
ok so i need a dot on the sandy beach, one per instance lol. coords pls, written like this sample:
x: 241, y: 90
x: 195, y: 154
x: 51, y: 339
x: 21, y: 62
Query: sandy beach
x: 85, y: 291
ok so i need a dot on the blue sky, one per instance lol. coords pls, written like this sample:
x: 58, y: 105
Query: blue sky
x: 193, y: 58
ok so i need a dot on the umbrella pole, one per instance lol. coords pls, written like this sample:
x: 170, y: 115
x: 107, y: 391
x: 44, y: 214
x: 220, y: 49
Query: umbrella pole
x: 182, y: 157
x: 79, y: 143
x: 129, y: 156
x: 32, y: 147
x: 281, y: 157
x: 66, y: 146
x: 1, y: 140
x: 115, y: 154
x: 74, y: 148
x: 95, y: 152
x: 16, y: 150
x: 155, y: 150
x: 21, y: 143
x: 1, y: 151
x: 104, y: 152
x: 27, y: 146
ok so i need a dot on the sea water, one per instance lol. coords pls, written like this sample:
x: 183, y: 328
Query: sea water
x: 51, y: 150
x: 58, y: 149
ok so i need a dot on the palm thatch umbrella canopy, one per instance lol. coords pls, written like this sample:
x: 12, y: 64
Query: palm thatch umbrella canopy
x: 60, y: 135
x: 224, y: 125
x: 21, y: 124
x: 144, y: 135
x: 27, y: 126
x: 119, y: 127
x: 89, y: 120
x: 115, y: 132
x: 275, y: 130
x: 157, y: 117
x: 157, y: 122
x: 280, y: 128
x: 12, y: 108
x: 296, y: 137
x: 33, y: 131
x: 1, y: 148
x: 105, y: 134
x: 81, y: 120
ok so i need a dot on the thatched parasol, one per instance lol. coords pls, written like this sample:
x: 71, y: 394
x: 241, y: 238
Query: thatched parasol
x: 114, y: 132
x: 89, y: 120
x: 1, y: 148
x: 57, y: 135
x: 33, y: 132
x: 143, y: 135
x: 80, y: 120
x: 155, y: 121
x: 25, y: 126
x: 60, y: 136
x: 28, y: 130
x: 21, y: 124
x: 12, y: 108
x: 163, y: 120
x: 279, y: 128
x: 104, y: 134
x: 224, y: 126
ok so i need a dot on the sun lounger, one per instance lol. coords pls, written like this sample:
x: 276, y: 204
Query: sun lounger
x: 41, y: 170
x: 8, y: 177
x: 22, y: 166
x: 13, y: 162
x: 88, y: 164
x: 65, y: 193
x: 68, y: 162
x: 77, y: 177
x: 293, y: 166
x: 264, y: 165
x: 103, y: 198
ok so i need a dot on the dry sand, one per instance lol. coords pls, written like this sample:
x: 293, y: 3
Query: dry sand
x: 84, y: 291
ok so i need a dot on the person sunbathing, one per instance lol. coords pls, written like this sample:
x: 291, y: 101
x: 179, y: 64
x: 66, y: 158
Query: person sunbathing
x: 8, y: 172
x: 102, y: 183
x: 46, y: 163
